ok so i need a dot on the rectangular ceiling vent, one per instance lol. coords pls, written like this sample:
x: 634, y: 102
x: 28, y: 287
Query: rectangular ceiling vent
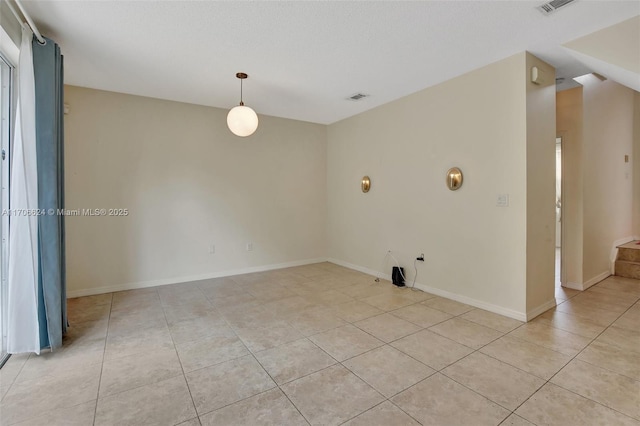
x: 357, y: 97
x: 552, y: 6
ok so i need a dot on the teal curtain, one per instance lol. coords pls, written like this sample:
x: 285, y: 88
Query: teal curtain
x: 52, y: 305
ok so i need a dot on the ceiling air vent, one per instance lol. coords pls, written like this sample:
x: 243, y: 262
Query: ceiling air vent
x: 357, y: 97
x: 552, y: 6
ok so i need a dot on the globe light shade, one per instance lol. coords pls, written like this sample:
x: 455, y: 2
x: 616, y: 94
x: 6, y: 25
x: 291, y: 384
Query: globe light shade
x: 242, y: 121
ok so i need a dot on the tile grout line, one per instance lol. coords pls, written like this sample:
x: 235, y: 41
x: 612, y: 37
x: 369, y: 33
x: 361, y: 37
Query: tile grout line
x: 384, y: 343
x: 106, y: 337
x: 574, y: 358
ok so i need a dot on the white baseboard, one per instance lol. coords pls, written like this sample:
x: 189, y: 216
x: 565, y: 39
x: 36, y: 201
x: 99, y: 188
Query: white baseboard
x: 520, y: 316
x: 596, y: 279
x: 541, y: 309
x: 573, y: 286
x: 359, y: 268
x: 188, y: 278
x: 588, y: 283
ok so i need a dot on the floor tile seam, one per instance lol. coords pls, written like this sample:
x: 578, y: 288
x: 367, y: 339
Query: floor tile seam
x: 15, y: 378
x: 377, y: 405
x: 466, y: 387
x: 449, y: 313
x: 319, y: 332
x: 592, y: 400
x: 461, y: 316
x: 545, y: 347
x: 571, y: 353
x: 136, y: 306
x: 103, y: 397
x: 45, y: 413
x: 431, y: 373
x: 549, y: 323
x: 518, y: 368
x: 277, y: 385
x: 563, y: 367
x: 601, y: 310
x: 462, y: 344
x: 95, y: 410
x: 184, y: 376
x: 60, y: 375
x: 598, y: 335
x: 514, y: 414
x: 608, y: 369
x: 617, y: 305
x: 575, y: 357
x: 423, y: 327
x: 511, y: 410
x: 336, y: 362
x: 476, y: 323
x: 391, y: 341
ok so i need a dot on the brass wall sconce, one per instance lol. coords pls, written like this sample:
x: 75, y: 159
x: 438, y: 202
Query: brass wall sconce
x: 454, y: 178
x: 366, y: 184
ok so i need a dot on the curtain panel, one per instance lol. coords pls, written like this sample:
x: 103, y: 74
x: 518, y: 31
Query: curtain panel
x: 52, y: 306
x: 22, y: 330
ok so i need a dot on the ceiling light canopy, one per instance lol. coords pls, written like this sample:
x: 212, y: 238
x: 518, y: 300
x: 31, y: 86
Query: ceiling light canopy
x: 242, y: 120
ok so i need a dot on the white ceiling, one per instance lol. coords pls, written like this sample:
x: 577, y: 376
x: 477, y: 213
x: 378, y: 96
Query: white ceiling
x: 305, y: 57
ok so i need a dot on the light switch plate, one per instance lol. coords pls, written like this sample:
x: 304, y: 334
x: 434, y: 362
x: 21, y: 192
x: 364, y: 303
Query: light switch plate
x: 503, y: 200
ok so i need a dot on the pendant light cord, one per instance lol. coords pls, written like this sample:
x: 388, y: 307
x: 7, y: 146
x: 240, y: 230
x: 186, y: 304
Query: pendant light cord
x: 241, y: 103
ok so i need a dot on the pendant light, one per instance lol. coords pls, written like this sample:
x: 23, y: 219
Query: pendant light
x: 242, y: 120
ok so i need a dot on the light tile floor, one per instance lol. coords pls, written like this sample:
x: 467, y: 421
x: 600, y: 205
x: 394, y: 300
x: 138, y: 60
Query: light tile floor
x: 323, y: 345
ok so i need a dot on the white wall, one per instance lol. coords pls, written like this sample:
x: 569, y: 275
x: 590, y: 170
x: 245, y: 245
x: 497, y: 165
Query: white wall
x: 188, y: 183
x: 474, y: 250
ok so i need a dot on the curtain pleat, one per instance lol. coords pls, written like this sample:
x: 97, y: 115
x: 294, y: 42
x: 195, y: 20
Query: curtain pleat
x: 47, y: 64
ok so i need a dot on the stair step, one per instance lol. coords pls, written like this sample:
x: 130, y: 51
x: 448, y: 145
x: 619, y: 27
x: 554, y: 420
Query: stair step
x: 629, y: 252
x: 628, y: 269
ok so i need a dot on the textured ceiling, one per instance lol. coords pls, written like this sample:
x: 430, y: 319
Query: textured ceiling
x: 305, y: 57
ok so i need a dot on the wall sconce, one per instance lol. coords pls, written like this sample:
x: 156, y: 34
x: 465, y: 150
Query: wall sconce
x: 454, y: 178
x: 366, y: 184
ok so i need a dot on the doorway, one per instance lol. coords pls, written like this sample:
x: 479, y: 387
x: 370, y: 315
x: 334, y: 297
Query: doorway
x: 558, y: 281
x: 6, y: 87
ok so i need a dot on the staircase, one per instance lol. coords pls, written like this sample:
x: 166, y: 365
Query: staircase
x: 628, y: 260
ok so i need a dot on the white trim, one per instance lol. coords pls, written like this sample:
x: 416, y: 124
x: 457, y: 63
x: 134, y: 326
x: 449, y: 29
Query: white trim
x: 589, y: 283
x: 520, y: 316
x: 183, y: 279
x: 596, y: 279
x: 473, y: 302
x: 541, y: 309
x: 8, y: 48
x: 359, y: 268
x: 573, y: 286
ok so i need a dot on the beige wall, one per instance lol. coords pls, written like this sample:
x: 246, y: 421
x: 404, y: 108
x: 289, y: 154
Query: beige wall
x: 608, y: 137
x: 569, y: 124
x: 188, y: 183
x: 635, y: 158
x: 474, y: 251
x: 597, y: 126
x: 625, y: 36
x: 540, y: 190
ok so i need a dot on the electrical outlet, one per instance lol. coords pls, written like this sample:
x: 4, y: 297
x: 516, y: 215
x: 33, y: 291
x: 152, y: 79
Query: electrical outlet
x: 212, y: 248
x: 249, y: 246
